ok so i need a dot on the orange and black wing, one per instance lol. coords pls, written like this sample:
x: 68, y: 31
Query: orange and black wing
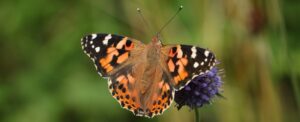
x: 125, y: 87
x: 184, y: 62
x: 108, y: 51
x: 122, y: 86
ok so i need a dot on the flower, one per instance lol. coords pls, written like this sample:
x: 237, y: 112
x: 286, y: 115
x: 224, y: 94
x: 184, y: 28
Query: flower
x: 200, y: 90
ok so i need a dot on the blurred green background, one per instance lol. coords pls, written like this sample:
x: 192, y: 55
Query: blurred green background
x: 46, y: 77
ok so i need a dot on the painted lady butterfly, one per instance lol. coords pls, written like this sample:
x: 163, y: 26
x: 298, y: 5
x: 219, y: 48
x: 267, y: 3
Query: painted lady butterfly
x: 143, y: 78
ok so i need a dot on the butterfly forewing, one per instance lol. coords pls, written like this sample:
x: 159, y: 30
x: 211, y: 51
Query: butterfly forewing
x: 185, y: 62
x: 108, y: 51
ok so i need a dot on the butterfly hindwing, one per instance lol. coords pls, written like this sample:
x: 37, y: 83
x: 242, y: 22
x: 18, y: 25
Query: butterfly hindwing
x: 122, y: 87
x: 185, y: 62
x: 161, y: 97
x: 108, y: 51
x: 126, y: 86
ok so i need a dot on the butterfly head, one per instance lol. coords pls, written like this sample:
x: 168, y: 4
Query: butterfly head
x: 156, y: 41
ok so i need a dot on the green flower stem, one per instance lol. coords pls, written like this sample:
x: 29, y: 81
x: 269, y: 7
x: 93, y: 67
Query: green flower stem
x: 197, y: 115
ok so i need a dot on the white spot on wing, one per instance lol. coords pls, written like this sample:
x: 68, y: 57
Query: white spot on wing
x: 202, y: 63
x: 109, y: 81
x: 201, y: 73
x: 196, y: 64
x: 91, y: 42
x: 94, y: 36
x: 206, y: 52
x: 108, y: 37
x: 180, y: 53
x: 97, y: 49
x: 86, y: 39
x: 205, y: 59
x: 93, y: 46
x: 100, y: 74
x: 194, y: 52
x: 194, y: 76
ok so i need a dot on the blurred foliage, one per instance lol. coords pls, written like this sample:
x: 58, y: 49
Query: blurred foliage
x: 46, y: 77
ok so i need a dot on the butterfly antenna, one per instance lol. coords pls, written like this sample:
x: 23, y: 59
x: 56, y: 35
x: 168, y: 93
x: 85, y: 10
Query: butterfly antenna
x: 170, y: 20
x: 143, y: 19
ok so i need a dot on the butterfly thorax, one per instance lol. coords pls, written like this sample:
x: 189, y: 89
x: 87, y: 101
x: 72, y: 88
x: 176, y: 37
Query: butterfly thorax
x: 153, y: 51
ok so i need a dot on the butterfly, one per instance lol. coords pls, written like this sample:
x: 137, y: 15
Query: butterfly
x: 144, y: 77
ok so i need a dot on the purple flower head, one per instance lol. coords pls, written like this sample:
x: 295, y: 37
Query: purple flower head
x: 200, y: 90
